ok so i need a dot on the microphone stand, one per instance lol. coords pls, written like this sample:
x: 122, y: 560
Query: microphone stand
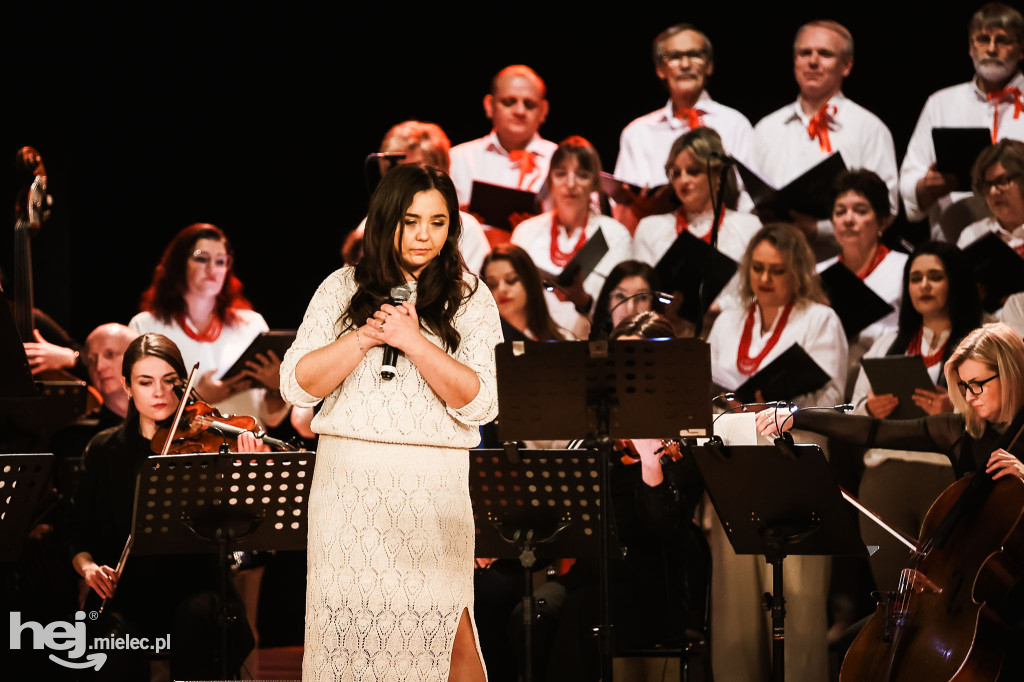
x: 717, y: 202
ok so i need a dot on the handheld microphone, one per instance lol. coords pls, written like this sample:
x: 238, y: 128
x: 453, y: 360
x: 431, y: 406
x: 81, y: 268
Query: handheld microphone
x: 389, y: 365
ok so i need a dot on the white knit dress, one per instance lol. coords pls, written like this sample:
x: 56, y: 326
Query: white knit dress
x: 390, y: 551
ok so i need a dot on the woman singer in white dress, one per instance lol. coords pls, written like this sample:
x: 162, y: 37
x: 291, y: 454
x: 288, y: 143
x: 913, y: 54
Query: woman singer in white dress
x: 390, y: 583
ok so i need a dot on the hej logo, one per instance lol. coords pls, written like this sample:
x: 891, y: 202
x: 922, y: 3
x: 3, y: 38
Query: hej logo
x: 59, y: 636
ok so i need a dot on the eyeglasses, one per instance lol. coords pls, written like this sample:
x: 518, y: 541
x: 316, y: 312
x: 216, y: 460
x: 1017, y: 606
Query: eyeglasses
x: 975, y: 387
x: 675, y: 56
x: 982, y: 40
x: 1000, y: 183
x: 582, y: 177
x: 203, y: 259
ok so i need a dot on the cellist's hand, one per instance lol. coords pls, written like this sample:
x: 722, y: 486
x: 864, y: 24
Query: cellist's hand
x: 1002, y: 463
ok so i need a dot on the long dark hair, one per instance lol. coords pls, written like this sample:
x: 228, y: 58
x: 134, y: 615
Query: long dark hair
x: 962, y: 299
x: 440, y: 287
x: 538, y: 317
x: 150, y: 346
x: 602, y: 323
x: 165, y: 296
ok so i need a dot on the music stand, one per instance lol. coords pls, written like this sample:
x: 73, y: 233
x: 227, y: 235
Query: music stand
x: 778, y: 500
x: 524, y: 500
x: 22, y: 480
x: 222, y: 503
x: 606, y: 390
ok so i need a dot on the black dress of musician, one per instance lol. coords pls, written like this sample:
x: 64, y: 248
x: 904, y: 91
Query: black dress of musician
x: 158, y: 595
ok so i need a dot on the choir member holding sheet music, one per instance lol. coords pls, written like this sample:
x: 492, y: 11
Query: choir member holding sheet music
x: 940, y: 307
x: 783, y: 307
x: 689, y: 161
x: 821, y: 122
x: 196, y: 301
x: 552, y: 239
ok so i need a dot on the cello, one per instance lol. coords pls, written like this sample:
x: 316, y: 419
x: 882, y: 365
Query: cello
x: 941, y: 623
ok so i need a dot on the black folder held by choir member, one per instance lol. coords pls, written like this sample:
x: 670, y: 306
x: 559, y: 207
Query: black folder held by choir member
x: 687, y: 263
x: 585, y: 260
x: 277, y: 341
x: 667, y: 201
x: 997, y: 267
x: 854, y: 301
x: 502, y: 207
x: 791, y: 374
x: 810, y: 194
x: 899, y: 375
x: 956, y: 149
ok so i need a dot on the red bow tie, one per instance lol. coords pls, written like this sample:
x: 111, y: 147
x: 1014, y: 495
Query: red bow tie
x: 997, y: 97
x: 818, y: 127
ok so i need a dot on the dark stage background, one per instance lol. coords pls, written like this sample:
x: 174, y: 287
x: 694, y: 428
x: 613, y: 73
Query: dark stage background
x: 257, y: 119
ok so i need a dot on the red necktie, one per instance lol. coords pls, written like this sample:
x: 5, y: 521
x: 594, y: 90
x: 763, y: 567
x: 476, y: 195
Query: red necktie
x: 998, y: 96
x: 818, y: 127
x: 527, y: 164
x: 693, y: 117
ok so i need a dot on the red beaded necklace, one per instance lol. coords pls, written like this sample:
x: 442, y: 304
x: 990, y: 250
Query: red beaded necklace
x: 915, y: 349
x: 211, y: 334
x: 746, y: 364
x: 560, y: 258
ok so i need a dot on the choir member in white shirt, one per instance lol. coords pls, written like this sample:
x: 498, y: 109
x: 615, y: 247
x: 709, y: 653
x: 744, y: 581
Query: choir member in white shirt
x: 992, y: 99
x: 860, y: 214
x: 940, y: 307
x: 684, y: 59
x: 689, y: 161
x: 425, y: 143
x: 998, y: 176
x: 784, y: 306
x: 554, y: 237
x: 513, y: 154
x: 798, y: 136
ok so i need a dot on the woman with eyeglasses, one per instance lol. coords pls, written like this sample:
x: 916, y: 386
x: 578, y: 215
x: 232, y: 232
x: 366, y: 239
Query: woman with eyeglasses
x: 940, y: 307
x: 998, y: 176
x: 553, y: 238
x: 692, y: 157
x: 985, y: 436
x: 196, y: 300
x: 157, y: 595
x: 632, y: 287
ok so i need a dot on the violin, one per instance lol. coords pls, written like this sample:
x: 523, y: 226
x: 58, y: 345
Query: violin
x: 941, y: 623
x: 670, y: 451
x: 199, y: 427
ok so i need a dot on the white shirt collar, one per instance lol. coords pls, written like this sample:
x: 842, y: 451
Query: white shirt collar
x: 532, y: 146
x: 1016, y: 82
x: 668, y: 113
x: 836, y: 100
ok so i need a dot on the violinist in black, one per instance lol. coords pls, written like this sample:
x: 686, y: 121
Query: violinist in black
x: 156, y: 596
x: 985, y: 436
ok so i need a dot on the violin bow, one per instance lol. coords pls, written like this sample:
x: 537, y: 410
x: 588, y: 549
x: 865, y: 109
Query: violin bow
x: 181, y: 409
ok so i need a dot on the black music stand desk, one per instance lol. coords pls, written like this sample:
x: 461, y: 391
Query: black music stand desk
x: 23, y: 478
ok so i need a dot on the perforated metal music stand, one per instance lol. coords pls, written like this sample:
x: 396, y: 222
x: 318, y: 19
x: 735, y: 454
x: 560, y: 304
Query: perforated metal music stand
x: 778, y: 500
x: 222, y: 503
x: 533, y: 501
x: 605, y: 390
x: 23, y: 479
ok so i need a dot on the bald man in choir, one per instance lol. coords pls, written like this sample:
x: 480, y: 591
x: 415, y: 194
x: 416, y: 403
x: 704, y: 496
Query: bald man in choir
x: 823, y: 121
x: 513, y: 154
x: 684, y: 60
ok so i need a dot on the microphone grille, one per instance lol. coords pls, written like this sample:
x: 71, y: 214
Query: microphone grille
x: 400, y: 293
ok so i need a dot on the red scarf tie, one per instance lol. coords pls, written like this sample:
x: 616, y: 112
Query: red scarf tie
x: 818, y: 127
x: 560, y: 258
x: 693, y: 117
x: 527, y: 164
x: 997, y: 97
x: 881, y: 251
x: 683, y: 224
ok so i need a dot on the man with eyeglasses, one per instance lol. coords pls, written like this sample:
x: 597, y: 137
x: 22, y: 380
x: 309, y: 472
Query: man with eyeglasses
x: 992, y: 100
x: 513, y: 154
x: 683, y: 59
x: 822, y: 121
